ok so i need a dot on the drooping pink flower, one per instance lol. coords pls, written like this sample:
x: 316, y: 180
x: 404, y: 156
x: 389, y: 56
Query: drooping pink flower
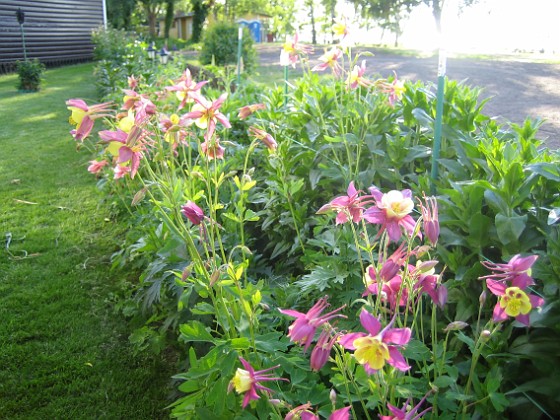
x: 356, y: 76
x: 247, y: 110
x: 513, y: 300
x: 291, y: 50
x: 304, y: 327
x: 121, y: 171
x: 192, y: 212
x: 348, y: 207
x: 392, y: 212
x: 265, y: 137
x: 430, y: 219
x: 83, y: 116
x: 206, y: 114
x: 132, y: 82
x: 379, y: 346
x: 301, y: 412
x: 186, y: 89
x: 140, y: 103
x: 322, y: 350
x: 212, y: 149
x: 247, y: 381
x: 426, y: 281
x: 391, y: 291
x: 174, y: 130
x: 95, y: 166
x: 518, y: 268
x: 330, y: 60
x: 394, y: 89
x: 405, y: 413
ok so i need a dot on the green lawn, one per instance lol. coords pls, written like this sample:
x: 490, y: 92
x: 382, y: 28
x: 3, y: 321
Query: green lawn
x: 64, y: 353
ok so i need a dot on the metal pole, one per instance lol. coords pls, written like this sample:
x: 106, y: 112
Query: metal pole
x: 23, y: 41
x: 439, y: 118
x: 239, y: 45
x: 285, y: 86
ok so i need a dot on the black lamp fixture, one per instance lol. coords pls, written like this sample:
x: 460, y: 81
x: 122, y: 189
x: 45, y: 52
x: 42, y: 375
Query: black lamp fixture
x: 20, y: 15
x: 163, y: 56
x: 151, y: 52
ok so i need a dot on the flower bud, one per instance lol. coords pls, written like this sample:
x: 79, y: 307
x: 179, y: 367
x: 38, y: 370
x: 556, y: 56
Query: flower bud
x: 455, y: 326
x: 332, y: 396
x: 485, y: 335
x: 482, y: 298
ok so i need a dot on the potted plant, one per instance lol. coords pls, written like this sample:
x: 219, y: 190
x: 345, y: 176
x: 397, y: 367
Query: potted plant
x: 30, y: 73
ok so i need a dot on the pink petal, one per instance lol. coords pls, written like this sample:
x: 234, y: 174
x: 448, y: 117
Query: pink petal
x: 369, y: 322
x: 394, y: 231
x: 399, y: 336
x: 397, y: 360
x: 522, y: 281
x: 351, y: 189
x: 347, y: 340
x: 496, y: 287
x: 499, y: 313
x: 84, y: 129
x: 222, y: 118
x: 536, y: 301
x: 291, y: 312
x: 125, y: 154
x: 78, y: 103
x: 523, y: 319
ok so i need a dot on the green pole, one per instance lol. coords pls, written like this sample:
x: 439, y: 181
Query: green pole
x: 239, y: 45
x: 439, y: 118
x: 23, y: 41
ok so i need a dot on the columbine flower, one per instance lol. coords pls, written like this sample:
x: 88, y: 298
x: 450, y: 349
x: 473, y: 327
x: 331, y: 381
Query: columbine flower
x: 291, y: 51
x: 192, y: 212
x: 186, y: 89
x: 173, y: 129
x: 301, y: 412
x: 126, y: 147
x: 341, y: 414
x: 428, y: 282
x: 341, y: 32
x: 83, y: 116
x: 140, y: 103
x: 207, y: 115
x: 248, y: 110
x: 394, y: 89
x: 121, y: 171
x: 347, y: 207
x: 430, y: 220
x: 132, y: 82
x: 405, y: 413
x: 303, y: 329
x: 266, y: 138
x: 518, y: 269
x: 330, y: 59
x: 379, y: 346
x: 391, y: 212
x: 513, y: 300
x: 356, y: 76
x: 322, y: 350
x: 246, y: 381
x: 212, y: 149
x: 95, y: 166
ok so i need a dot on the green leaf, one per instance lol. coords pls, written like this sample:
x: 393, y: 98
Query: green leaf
x: 272, y: 342
x: 499, y: 401
x: 195, y: 331
x: 417, y: 350
x: 553, y: 216
x: 548, y: 170
x: 251, y: 216
x: 444, y: 381
x: 422, y: 117
x: 509, y: 229
x: 232, y: 216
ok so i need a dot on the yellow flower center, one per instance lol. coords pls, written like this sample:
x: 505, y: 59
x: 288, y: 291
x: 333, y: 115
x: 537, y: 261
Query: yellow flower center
x: 174, y: 119
x: 515, y: 302
x: 288, y: 47
x: 396, y: 204
x: 127, y: 122
x: 339, y: 29
x: 371, y: 350
x: 77, y: 115
x: 242, y: 381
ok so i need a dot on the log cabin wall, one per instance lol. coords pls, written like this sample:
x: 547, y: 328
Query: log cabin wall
x: 57, y: 32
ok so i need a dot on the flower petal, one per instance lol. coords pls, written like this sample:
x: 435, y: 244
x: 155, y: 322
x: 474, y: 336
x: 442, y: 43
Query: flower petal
x: 369, y: 322
x: 397, y: 360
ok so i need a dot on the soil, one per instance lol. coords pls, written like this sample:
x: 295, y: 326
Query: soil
x: 517, y: 89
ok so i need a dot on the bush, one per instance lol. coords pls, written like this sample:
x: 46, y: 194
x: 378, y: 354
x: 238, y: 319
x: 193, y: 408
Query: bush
x: 30, y: 74
x: 220, y: 46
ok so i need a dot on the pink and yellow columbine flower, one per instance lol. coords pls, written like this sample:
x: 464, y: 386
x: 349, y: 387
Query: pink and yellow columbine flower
x: 175, y: 132
x: 83, y: 116
x: 246, y: 381
x: 140, y: 103
x: 348, y: 207
x: 186, y: 89
x: 405, y: 413
x: 301, y: 412
x: 394, y: 89
x: 322, y: 350
x: 513, y: 300
x: 126, y: 147
x: 341, y: 31
x: 304, y: 327
x: 248, y: 110
x: 426, y: 281
x: 206, y: 114
x: 380, y: 346
x: 96, y: 166
x: 192, y: 212
x: 266, y: 138
x: 212, y: 149
x: 330, y: 60
x: 291, y: 51
x: 356, y: 77
x: 392, y: 211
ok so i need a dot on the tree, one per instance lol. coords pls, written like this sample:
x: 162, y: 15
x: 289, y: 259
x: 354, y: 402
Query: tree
x: 310, y: 5
x: 169, y: 15
x: 152, y: 8
x: 200, y: 10
x: 119, y: 13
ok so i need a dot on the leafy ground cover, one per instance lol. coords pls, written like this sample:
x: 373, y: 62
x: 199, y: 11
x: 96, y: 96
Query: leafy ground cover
x: 63, y: 351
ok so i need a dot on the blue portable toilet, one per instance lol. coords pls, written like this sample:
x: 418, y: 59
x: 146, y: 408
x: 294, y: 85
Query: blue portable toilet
x: 254, y: 27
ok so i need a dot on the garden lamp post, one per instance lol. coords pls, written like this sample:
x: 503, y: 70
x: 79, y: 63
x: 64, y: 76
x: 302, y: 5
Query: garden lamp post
x: 20, y: 15
x: 239, y: 48
x: 163, y: 56
x: 151, y: 52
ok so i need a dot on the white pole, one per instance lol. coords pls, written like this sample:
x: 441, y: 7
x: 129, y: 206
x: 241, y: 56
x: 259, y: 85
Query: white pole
x: 104, y: 14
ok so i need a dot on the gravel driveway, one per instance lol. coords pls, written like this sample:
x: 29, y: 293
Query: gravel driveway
x: 517, y: 89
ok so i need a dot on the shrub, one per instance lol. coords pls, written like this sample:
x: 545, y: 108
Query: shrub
x: 30, y: 73
x: 220, y: 46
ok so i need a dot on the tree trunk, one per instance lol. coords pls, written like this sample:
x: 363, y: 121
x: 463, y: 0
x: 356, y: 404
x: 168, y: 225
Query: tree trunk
x: 437, y: 6
x: 312, y: 16
x: 169, y: 12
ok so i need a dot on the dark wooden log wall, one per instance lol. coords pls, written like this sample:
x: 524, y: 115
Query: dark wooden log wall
x: 57, y: 32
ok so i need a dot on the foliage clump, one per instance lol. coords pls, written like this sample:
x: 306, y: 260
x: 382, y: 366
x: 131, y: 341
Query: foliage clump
x: 30, y: 74
x: 220, y: 46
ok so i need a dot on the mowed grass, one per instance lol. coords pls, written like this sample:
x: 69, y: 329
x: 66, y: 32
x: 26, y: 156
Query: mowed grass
x: 64, y: 353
